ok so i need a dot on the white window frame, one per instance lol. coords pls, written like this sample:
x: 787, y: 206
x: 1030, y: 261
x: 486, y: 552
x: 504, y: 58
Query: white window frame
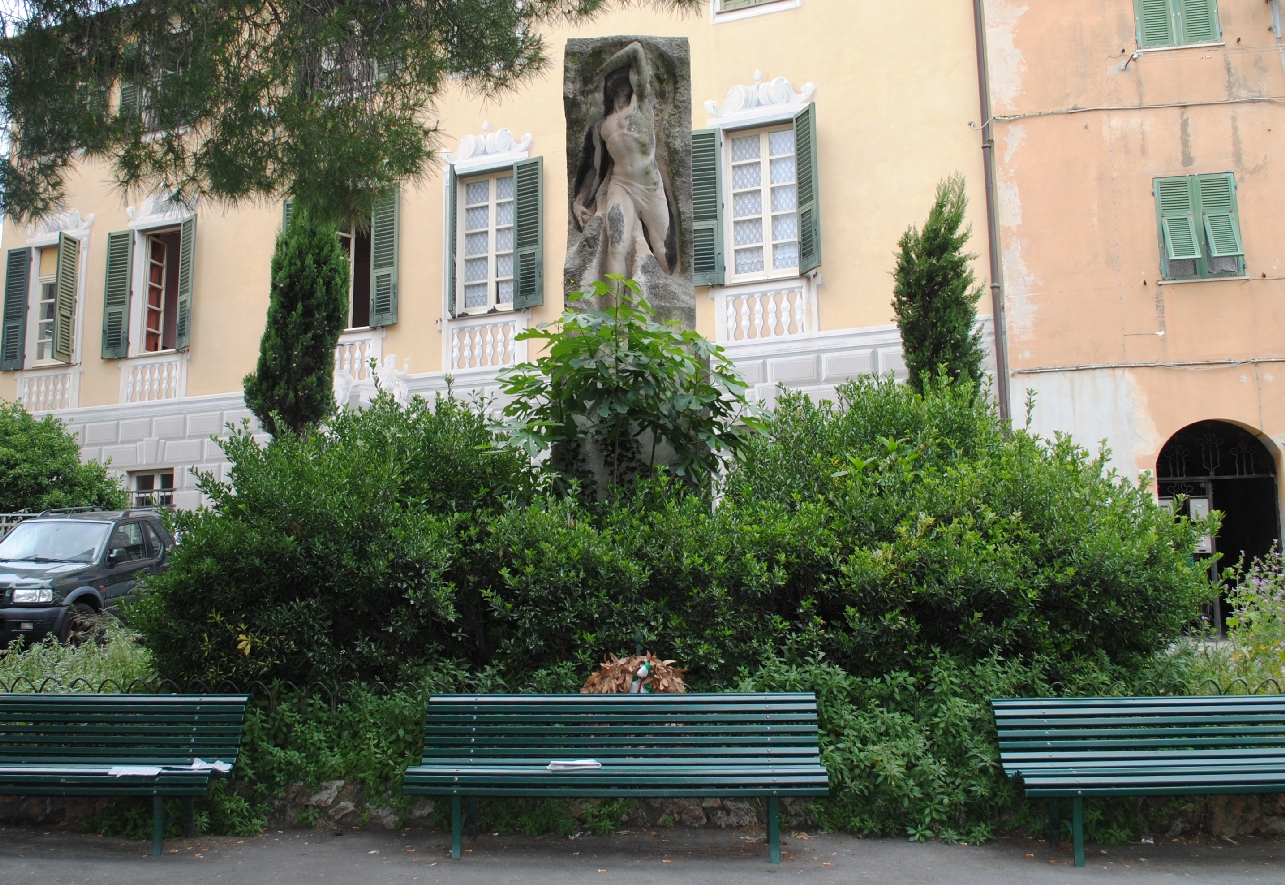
x: 769, y: 272
x: 493, y: 254
x: 351, y: 236
x: 33, y: 311
x: 72, y: 225
x: 138, y: 291
x: 156, y: 492
x: 718, y: 17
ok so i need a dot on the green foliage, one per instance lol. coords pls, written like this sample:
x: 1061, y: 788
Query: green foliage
x: 238, y: 101
x: 613, y: 381
x: 934, y: 293
x: 931, y: 530
x: 292, y: 388
x: 40, y: 467
x: 879, y: 532
x: 1253, y: 658
x: 915, y: 754
x: 120, y: 657
x: 328, y: 558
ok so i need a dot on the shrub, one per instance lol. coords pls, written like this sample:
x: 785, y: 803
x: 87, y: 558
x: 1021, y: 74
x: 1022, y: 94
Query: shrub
x: 40, y: 467
x: 879, y: 532
x: 116, y: 661
x: 330, y: 557
x: 934, y: 296
x: 292, y: 388
x: 616, y: 394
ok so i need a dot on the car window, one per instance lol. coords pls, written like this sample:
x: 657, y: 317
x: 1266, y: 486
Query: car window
x: 127, y: 544
x: 54, y: 540
x: 154, y: 543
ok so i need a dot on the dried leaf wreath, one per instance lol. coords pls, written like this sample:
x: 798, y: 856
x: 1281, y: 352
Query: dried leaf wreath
x: 616, y: 675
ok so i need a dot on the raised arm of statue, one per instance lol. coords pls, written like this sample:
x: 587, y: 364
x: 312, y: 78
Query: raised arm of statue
x: 633, y: 57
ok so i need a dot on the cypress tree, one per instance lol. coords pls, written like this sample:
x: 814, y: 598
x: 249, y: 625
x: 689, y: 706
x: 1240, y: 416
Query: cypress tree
x: 935, y: 293
x: 292, y: 387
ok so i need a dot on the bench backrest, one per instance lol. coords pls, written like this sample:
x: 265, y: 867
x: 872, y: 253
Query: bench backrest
x: 780, y: 727
x: 1081, y: 725
x: 119, y: 728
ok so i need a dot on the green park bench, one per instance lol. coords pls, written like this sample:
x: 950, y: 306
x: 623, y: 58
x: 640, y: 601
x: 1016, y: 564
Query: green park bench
x: 635, y: 745
x: 118, y: 745
x: 1159, y: 746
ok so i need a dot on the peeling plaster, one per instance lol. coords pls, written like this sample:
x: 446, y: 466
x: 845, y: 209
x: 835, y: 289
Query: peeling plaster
x: 1006, y: 61
x: 1019, y: 283
x: 1096, y: 406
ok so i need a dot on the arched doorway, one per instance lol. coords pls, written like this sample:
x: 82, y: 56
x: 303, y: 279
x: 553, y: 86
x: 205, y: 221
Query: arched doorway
x: 1221, y: 466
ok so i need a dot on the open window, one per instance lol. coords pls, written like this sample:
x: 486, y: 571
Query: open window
x: 147, y: 294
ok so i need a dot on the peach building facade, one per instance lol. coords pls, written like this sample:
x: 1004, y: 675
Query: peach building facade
x: 1140, y: 192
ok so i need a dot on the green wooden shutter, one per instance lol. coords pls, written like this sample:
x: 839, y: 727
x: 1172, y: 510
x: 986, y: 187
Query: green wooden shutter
x: 1176, y: 208
x: 707, y: 207
x: 805, y: 157
x: 452, y: 197
x: 187, y: 245
x: 528, y: 253
x: 130, y: 105
x: 287, y: 209
x: 65, y: 284
x: 383, y: 260
x: 1221, y: 218
x: 1199, y: 20
x: 17, y: 284
x: 1156, y: 25
x: 116, y: 291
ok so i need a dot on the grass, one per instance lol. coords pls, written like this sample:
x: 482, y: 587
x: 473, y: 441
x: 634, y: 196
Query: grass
x: 117, y: 655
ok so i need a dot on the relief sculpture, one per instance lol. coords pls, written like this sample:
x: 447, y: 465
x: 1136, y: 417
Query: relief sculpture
x: 628, y: 107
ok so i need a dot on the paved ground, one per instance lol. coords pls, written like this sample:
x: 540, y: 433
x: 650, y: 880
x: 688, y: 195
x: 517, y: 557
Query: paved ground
x: 691, y: 857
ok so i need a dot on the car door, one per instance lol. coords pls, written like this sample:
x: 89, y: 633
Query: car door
x: 127, y: 557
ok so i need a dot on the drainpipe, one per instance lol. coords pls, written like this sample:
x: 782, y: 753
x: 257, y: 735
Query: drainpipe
x: 992, y: 218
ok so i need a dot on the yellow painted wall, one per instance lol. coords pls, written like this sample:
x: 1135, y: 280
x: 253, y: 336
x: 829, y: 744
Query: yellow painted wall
x: 896, y: 89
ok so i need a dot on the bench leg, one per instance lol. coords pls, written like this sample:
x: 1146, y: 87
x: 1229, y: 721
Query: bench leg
x: 457, y: 827
x: 1077, y: 829
x: 773, y: 829
x: 189, y: 816
x: 158, y: 824
x: 472, y: 817
x: 1055, y: 823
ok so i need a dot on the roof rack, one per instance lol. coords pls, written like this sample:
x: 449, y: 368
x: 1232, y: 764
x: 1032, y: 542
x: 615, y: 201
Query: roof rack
x: 145, y: 508
x: 57, y: 510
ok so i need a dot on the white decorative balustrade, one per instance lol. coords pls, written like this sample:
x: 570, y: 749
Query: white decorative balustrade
x: 46, y: 391
x: 765, y: 315
x: 151, y: 379
x: 488, y: 344
x: 354, y: 353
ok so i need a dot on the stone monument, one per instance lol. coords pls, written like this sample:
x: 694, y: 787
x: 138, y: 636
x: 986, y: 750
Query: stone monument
x: 628, y: 103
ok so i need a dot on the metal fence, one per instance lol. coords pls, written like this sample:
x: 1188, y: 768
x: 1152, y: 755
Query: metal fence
x: 9, y: 520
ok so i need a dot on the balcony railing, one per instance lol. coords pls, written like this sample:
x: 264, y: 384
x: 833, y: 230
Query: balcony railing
x: 44, y: 391
x: 485, y: 344
x: 763, y: 315
x: 151, y: 378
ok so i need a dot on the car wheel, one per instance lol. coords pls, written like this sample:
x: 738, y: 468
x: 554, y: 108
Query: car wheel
x: 80, y: 625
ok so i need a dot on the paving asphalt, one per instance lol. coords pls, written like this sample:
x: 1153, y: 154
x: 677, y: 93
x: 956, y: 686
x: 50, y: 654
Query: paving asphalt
x: 53, y: 857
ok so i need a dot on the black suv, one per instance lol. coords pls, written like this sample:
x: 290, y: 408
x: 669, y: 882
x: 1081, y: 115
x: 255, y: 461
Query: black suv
x: 60, y: 566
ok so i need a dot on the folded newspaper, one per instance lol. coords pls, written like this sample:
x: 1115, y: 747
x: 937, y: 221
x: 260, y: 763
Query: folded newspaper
x: 574, y: 764
x: 154, y: 770
x: 134, y: 771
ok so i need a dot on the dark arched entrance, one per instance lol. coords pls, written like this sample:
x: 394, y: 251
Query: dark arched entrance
x: 1223, y: 467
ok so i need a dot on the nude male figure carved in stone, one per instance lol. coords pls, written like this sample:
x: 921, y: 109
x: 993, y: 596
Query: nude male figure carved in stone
x: 626, y: 186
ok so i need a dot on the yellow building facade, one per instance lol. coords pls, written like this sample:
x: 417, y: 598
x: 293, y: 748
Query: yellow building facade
x: 140, y: 319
